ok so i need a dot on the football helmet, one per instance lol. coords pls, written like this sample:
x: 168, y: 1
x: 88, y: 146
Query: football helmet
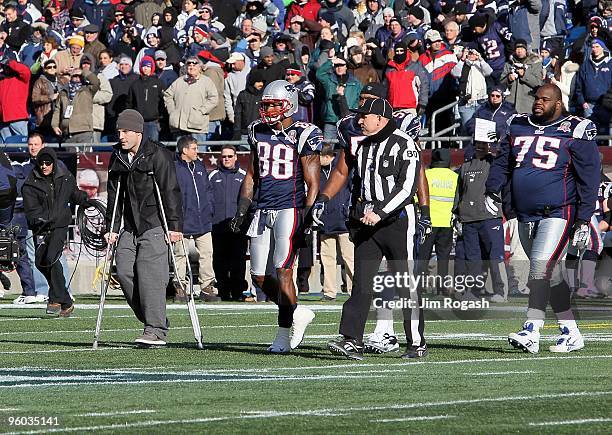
x: 278, y: 92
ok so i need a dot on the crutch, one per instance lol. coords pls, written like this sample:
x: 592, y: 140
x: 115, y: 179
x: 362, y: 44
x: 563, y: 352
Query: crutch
x: 193, y: 314
x: 106, y: 276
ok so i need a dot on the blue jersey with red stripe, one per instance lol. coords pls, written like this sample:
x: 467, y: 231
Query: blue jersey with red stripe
x: 277, y: 162
x: 552, y: 167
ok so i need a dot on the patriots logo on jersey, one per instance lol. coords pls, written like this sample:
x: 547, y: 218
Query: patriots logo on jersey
x: 565, y: 126
x: 591, y: 133
x: 314, y: 142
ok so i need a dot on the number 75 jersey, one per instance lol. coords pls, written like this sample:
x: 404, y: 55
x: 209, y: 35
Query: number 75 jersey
x: 553, y: 167
x: 277, y: 162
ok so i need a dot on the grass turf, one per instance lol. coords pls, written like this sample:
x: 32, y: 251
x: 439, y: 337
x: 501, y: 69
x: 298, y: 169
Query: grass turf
x: 472, y: 381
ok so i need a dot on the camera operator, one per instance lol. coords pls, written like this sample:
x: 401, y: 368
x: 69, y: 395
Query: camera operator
x: 522, y: 75
x: 48, y: 192
x: 472, y: 71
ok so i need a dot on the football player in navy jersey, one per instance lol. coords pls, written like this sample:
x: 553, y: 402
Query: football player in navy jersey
x: 383, y: 339
x: 283, y: 181
x: 552, y: 161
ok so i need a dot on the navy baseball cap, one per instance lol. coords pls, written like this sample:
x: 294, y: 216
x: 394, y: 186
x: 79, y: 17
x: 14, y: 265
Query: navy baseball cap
x: 377, y: 89
x: 375, y: 106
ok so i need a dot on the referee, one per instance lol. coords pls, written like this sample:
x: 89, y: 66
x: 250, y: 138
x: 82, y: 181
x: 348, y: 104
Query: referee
x: 382, y: 222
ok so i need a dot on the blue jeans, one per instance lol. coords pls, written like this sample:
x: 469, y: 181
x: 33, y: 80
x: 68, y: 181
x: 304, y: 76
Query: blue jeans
x: 16, y: 128
x: 467, y: 112
x: 214, y: 130
x: 151, y: 131
x: 40, y: 282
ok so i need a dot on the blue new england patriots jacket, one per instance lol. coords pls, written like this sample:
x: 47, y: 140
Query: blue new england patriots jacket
x: 225, y: 184
x: 198, y: 207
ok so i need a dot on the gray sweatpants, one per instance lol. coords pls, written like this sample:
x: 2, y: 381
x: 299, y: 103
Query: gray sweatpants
x: 143, y: 272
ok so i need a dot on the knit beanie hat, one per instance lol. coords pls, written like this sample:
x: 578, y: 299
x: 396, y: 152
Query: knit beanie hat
x: 130, y: 120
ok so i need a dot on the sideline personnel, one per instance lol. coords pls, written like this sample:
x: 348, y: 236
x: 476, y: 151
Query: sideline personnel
x: 382, y: 221
x: 142, y: 251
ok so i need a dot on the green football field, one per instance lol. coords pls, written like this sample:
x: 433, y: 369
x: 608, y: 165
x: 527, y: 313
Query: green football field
x: 471, y: 382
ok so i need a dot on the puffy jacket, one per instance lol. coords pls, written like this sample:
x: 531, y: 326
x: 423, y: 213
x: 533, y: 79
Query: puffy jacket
x: 138, y: 203
x: 82, y: 112
x: 226, y: 191
x: 408, y: 85
x: 147, y: 96
x: 439, y: 65
x: 45, y: 208
x: 189, y: 103
x: 197, y: 195
x: 14, y: 90
x: 336, y: 210
x: 329, y: 82
x: 594, y: 80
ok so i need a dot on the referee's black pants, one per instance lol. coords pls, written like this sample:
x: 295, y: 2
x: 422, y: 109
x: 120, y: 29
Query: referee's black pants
x: 395, y: 241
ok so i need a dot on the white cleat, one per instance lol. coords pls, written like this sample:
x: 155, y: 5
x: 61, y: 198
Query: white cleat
x: 42, y: 298
x: 302, y: 317
x: 381, y: 344
x: 281, y: 342
x: 568, y: 341
x: 527, y: 339
x: 23, y: 300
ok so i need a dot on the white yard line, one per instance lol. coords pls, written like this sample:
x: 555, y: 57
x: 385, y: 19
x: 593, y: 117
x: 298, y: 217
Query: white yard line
x: 416, y: 418
x: 510, y: 372
x: 110, y: 414
x: 564, y: 422
x: 316, y: 412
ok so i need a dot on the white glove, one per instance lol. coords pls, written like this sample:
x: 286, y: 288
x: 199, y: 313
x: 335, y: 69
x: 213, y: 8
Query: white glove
x: 582, y: 235
x: 490, y: 203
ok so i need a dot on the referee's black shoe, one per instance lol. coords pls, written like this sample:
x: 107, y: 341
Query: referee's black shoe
x: 415, y: 352
x: 347, y: 347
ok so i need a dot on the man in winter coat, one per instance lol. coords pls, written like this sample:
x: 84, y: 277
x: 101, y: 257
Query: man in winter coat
x: 247, y: 104
x: 146, y: 96
x: 46, y: 194
x: 73, y: 113
x: 189, y: 101
x: 523, y: 76
x: 407, y: 81
x: 336, y: 81
x: 334, y: 234
x: 495, y: 109
x: 235, y: 82
x: 142, y: 249
x: 198, y: 210
x: 229, y: 248
x: 14, y: 90
x: 593, y: 81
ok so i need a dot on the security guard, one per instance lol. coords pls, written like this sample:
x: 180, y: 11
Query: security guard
x: 442, y: 183
x: 382, y: 222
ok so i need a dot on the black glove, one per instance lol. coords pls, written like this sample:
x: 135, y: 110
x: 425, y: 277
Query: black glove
x: 238, y: 220
x: 363, y: 26
x: 318, y: 208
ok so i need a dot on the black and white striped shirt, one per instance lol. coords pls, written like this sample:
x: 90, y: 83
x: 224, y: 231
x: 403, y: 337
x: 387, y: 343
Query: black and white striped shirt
x: 387, y: 172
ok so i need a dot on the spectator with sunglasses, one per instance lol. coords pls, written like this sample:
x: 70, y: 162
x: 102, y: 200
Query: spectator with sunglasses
x: 44, y: 96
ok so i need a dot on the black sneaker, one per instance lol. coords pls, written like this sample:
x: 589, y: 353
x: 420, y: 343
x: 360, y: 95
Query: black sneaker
x: 416, y: 352
x: 326, y: 298
x: 347, y: 347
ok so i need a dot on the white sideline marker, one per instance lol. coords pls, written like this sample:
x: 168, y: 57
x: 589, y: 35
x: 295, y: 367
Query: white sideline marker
x: 564, y: 422
x: 418, y: 418
x: 510, y: 372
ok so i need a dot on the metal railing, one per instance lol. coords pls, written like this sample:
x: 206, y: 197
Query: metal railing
x: 434, y: 115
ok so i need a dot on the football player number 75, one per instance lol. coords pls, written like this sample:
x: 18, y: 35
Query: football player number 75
x: 544, y: 158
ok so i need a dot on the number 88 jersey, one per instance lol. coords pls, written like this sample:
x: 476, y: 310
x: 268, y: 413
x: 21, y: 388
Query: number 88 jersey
x: 277, y: 162
x: 553, y: 165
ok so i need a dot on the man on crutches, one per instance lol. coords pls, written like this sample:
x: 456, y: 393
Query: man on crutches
x: 142, y: 248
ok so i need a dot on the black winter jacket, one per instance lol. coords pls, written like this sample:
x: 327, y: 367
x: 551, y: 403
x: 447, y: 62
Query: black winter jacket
x: 246, y: 110
x: 46, y: 208
x: 146, y: 95
x: 138, y: 203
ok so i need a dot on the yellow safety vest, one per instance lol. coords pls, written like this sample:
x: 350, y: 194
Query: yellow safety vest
x: 442, y: 186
